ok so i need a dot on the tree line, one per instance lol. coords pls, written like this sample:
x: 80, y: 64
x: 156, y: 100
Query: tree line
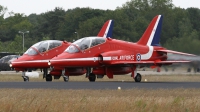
x: 180, y: 28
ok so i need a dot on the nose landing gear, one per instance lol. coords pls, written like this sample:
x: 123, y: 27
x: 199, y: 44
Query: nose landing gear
x: 25, y: 78
x: 66, y: 78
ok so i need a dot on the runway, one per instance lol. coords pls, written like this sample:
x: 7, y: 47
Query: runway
x: 104, y: 84
x: 99, y: 85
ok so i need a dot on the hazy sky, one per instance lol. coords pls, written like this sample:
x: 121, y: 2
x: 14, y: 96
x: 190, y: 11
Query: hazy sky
x: 40, y: 6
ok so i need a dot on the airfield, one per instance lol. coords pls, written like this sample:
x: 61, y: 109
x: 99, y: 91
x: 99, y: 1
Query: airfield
x: 177, y: 90
x: 152, y: 79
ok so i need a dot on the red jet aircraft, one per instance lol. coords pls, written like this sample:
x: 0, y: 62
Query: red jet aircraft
x: 38, y: 55
x: 106, y: 56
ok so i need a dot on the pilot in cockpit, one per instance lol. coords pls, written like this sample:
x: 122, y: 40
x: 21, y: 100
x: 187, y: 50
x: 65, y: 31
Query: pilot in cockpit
x: 84, y: 46
x: 42, y: 49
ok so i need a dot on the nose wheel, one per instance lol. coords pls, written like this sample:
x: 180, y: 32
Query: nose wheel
x: 26, y: 78
x: 66, y: 78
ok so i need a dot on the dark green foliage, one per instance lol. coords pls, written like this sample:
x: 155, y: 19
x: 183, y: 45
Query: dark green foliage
x: 180, y: 29
x: 76, y: 18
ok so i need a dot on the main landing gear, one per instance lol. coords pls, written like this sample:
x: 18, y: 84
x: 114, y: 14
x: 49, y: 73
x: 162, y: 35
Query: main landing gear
x: 92, y: 77
x: 138, y: 77
x: 48, y: 78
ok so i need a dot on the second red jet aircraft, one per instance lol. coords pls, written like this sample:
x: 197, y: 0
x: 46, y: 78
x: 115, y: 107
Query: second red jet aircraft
x: 107, y: 56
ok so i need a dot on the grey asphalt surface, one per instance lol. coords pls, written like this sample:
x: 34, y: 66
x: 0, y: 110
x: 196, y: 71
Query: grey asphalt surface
x: 99, y: 85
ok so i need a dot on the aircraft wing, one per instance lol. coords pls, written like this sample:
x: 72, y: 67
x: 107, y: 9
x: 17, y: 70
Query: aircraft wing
x: 145, y: 62
x: 175, y: 52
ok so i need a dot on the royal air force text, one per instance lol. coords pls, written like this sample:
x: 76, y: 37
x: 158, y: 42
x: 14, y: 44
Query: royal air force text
x: 123, y: 57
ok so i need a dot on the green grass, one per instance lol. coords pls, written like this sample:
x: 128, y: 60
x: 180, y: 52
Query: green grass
x: 133, y: 100
x: 129, y: 100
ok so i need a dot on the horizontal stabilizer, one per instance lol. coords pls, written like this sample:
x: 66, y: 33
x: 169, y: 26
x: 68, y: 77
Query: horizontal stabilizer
x: 175, y: 52
x: 146, y: 62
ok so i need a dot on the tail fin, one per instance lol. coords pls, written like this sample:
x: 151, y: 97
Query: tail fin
x: 151, y: 36
x: 106, y: 30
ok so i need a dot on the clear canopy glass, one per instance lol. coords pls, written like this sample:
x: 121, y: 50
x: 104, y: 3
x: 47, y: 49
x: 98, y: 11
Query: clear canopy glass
x: 85, y: 43
x: 43, y: 46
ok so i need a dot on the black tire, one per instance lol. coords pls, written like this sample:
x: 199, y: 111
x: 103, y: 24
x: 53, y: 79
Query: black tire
x: 66, y: 78
x: 138, y: 78
x: 48, y: 78
x: 92, y: 77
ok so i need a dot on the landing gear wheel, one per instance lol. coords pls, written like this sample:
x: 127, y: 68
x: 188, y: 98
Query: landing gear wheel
x: 48, y: 78
x: 66, y: 78
x: 138, y: 77
x: 92, y: 77
x: 26, y: 78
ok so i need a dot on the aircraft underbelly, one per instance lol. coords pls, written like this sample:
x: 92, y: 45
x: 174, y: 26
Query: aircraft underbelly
x: 114, y: 70
x: 69, y: 72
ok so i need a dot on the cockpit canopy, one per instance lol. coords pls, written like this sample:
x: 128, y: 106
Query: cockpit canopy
x: 43, y: 46
x: 85, y: 43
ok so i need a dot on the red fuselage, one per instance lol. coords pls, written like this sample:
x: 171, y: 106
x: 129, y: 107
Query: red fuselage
x: 38, y: 59
x: 111, y: 52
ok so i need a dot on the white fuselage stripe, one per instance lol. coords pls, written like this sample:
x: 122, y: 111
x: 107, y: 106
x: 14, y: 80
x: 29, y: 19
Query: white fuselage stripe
x: 36, y: 61
x: 147, y: 55
x: 108, y: 58
x: 79, y: 59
